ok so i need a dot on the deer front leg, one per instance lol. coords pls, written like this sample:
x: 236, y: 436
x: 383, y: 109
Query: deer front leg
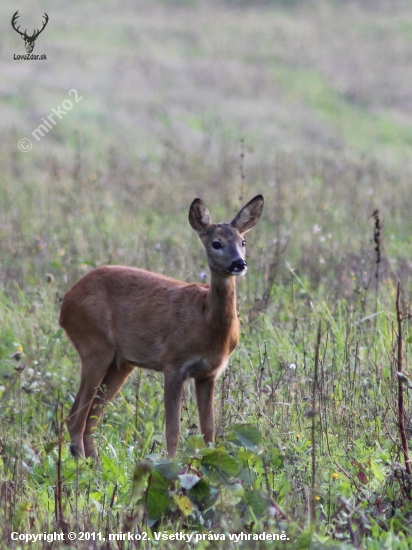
x: 204, y: 397
x: 173, y: 390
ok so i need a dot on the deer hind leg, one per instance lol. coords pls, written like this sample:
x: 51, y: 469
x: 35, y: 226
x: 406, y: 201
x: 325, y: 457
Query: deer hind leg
x: 204, y: 397
x: 94, y: 367
x: 114, y: 379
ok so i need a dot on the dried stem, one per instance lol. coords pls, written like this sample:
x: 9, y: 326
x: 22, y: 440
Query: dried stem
x: 401, y: 412
x: 313, y: 416
x: 377, y: 241
x: 241, y: 168
x: 59, y: 503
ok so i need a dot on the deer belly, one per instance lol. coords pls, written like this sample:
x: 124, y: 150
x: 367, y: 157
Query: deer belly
x: 200, y: 368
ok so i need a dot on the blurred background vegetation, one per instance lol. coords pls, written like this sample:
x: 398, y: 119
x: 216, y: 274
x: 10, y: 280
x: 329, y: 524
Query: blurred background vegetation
x: 318, y: 91
x: 307, y: 102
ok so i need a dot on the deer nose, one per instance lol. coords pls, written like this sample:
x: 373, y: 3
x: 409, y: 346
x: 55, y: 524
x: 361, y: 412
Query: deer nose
x: 237, y: 266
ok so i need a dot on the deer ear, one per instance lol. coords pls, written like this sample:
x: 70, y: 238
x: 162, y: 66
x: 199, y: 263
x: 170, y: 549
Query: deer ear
x: 199, y: 216
x: 248, y: 217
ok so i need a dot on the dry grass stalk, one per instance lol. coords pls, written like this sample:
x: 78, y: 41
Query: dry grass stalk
x: 313, y: 417
x: 401, y: 412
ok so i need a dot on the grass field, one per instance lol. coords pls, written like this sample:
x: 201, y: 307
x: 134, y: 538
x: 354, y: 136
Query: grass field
x: 309, y: 104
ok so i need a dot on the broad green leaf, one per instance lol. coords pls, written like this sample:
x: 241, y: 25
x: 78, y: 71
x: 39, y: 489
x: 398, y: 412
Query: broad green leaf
x: 195, y: 443
x: 158, y: 482
x: 221, y: 468
x: 257, y: 500
x: 108, y: 464
x: 169, y: 469
x: 219, y: 465
x: 220, y: 459
x: 158, y: 502
x: 201, y: 491
x: 246, y: 435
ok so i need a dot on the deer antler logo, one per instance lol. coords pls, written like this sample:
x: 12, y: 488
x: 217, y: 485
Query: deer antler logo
x: 28, y: 40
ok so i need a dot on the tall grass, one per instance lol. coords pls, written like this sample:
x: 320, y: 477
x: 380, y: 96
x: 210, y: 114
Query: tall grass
x: 307, y: 106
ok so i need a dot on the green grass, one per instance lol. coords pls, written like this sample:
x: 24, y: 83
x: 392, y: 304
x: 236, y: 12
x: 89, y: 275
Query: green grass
x: 361, y: 130
x: 320, y: 95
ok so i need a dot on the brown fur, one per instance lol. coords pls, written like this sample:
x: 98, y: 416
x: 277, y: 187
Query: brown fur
x: 120, y: 317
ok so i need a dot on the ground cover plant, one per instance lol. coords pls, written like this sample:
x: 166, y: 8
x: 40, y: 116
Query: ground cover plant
x: 307, y: 103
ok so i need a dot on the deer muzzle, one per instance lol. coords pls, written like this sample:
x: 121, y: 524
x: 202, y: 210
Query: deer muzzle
x: 238, y: 267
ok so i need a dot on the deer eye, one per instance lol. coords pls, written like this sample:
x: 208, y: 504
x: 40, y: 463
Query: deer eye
x: 217, y: 245
x: 243, y: 242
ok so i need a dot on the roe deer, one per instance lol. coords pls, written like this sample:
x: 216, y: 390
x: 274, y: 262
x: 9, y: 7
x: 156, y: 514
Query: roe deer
x: 121, y: 317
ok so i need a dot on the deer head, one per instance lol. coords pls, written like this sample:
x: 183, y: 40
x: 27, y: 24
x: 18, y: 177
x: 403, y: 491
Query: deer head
x: 28, y: 40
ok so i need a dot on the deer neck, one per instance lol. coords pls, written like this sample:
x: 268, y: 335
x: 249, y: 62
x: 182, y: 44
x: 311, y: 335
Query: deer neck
x: 221, y: 307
